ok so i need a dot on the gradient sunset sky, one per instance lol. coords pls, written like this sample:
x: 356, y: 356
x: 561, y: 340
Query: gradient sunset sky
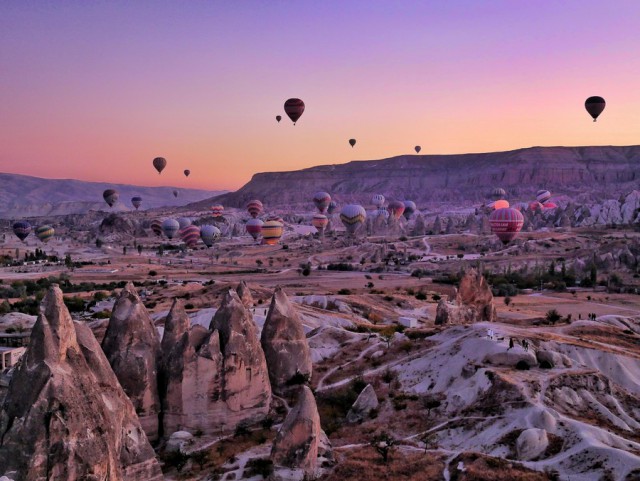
x: 95, y: 90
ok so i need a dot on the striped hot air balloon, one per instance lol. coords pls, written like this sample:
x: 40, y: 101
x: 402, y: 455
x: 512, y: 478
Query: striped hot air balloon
x: 254, y: 208
x: 322, y: 200
x: 136, y: 201
x: 254, y: 228
x: 190, y: 235
x: 382, y: 211
x: 396, y: 209
x: 320, y: 222
x: 217, y: 210
x: 506, y: 223
x: 170, y: 227
x: 156, y: 227
x: 353, y: 216
x: 498, y: 193
x: 209, y: 234
x: 184, y: 222
x: 543, y: 195
x: 378, y: 200
x: 294, y: 109
x: 22, y: 229
x: 45, y: 233
x: 271, y: 232
x: 409, y: 209
x: 110, y: 196
x: 275, y: 217
x: 333, y: 205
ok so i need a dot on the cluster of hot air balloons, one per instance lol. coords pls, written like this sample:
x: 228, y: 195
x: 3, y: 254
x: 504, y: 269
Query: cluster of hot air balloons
x: 188, y: 232
x: 294, y: 109
x: 271, y: 229
x: 22, y: 229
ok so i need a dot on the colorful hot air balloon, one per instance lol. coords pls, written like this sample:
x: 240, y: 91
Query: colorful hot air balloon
x: 254, y: 208
x: 500, y: 204
x: 271, y: 232
x: 498, y: 193
x: 382, y: 211
x: 209, y: 234
x: 333, y: 205
x: 409, y: 208
x: 187, y: 172
x: 156, y: 227
x: 396, y: 209
x: 506, y: 223
x: 190, y: 235
x: 159, y: 163
x: 353, y: 216
x: 254, y: 227
x: 418, y: 149
x: 320, y: 222
x: 184, y: 222
x: 45, y: 233
x: 378, y: 200
x: 549, y: 206
x: 217, y: 210
x: 21, y: 229
x: 136, y: 201
x: 594, y: 105
x: 110, y: 196
x: 352, y: 142
x: 543, y: 195
x: 275, y: 217
x: 170, y: 227
x: 294, y: 108
x: 322, y: 200
x: 278, y: 118
x: 175, y: 193
x: 535, y: 205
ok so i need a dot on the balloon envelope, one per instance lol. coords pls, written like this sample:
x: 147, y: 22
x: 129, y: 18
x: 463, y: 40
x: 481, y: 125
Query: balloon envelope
x: 209, y: 234
x: 378, y: 200
x: 594, y: 105
x: 294, y: 109
x: 278, y: 118
x: 156, y: 227
x: 184, y: 222
x: 271, y: 232
x: 506, y: 223
x: 170, y: 227
x: 320, y: 222
x: 110, y: 196
x: 543, y: 195
x: 136, y: 201
x: 159, y: 163
x: 322, y: 200
x: 409, y: 208
x: 254, y: 208
x: 190, y: 235
x: 22, y: 229
x: 501, y: 204
x: 418, y: 149
x: 254, y: 227
x: 45, y: 233
x: 498, y: 193
x: 549, y: 205
x: 217, y: 210
x: 353, y: 216
x: 333, y: 205
x: 352, y: 142
x: 396, y: 209
x: 187, y: 172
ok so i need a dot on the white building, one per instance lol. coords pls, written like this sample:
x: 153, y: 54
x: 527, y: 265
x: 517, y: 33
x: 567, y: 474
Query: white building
x: 408, y: 321
x: 9, y: 356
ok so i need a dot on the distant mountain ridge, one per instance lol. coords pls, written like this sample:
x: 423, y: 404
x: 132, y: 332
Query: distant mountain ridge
x: 27, y: 196
x: 583, y: 173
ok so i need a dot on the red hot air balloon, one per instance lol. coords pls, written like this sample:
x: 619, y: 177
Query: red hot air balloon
x: 322, y: 200
x: 254, y: 208
x: 159, y: 163
x: 320, y: 222
x: 352, y: 142
x: 594, y: 105
x: 217, y: 210
x: 190, y: 235
x: 506, y: 223
x: 156, y: 227
x: 396, y: 209
x: 294, y: 109
x: 254, y: 227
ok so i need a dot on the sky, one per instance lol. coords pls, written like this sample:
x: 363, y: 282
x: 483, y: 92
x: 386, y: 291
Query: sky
x: 95, y: 90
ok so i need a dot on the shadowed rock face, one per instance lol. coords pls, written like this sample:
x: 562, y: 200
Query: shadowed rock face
x: 65, y: 416
x: 473, y: 303
x: 244, y: 293
x: 212, y: 380
x: 131, y: 345
x: 285, y: 344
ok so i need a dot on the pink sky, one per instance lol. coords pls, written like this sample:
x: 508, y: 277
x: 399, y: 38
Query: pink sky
x: 95, y: 92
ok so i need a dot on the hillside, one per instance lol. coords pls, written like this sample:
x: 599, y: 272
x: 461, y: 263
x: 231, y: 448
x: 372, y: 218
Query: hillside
x: 582, y: 173
x: 25, y: 196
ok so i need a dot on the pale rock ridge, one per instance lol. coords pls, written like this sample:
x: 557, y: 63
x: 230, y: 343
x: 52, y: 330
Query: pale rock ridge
x: 285, y: 345
x: 473, y: 302
x: 366, y: 402
x: 65, y: 416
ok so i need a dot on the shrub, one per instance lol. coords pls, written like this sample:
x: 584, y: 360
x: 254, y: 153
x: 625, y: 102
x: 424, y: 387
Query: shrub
x: 421, y: 296
x: 344, y: 292
x: 258, y: 467
x: 522, y: 365
x: 153, y: 273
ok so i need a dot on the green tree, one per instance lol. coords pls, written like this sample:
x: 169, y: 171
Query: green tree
x: 383, y: 443
x: 553, y: 316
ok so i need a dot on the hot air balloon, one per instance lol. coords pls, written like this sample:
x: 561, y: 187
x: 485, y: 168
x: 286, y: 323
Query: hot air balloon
x: 22, y: 229
x: 418, y: 149
x: 506, y: 223
x: 353, y: 216
x: 271, y: 232
x: 322, y: 200
x: 136, y: 201
x: 409, y: 208
x: 294, y: 108
x: 187, y: 172
x: 594, y: 105
x: 209, y: 234
x: 275, y: 217
x: 190, y: 235
x: 549, y: 206
x: 543, y: 195
x: 333, y: 205
x: 110, y: 196
x: 45, y: 233
x: 396, y: 209
x: 217, y: 210
x: 254, y: 208
x: 382, y: 211
x: 352, y: 142
x: 498, y: 193
x: 156, y: 227
x: 159, y: 163
x: 535, y: 205
x: 320, y: 222
x: 254, y: 227
x: 175, y: 193
x: 378, y: 200
x: 184, y: 222
x: 278, y: 118
x: 170, y: 227
x: 500, y: 204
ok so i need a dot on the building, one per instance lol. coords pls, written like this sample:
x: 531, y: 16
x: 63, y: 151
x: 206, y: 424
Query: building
x: 9, y: 356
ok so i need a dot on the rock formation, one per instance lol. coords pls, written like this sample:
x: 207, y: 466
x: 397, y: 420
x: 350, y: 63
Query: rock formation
x: 212, y: 380
x: 296, y: 444
x: 65, y: 416
x: 244, y: 293
x: 531, y: 443
x: 285, y: 345
x: 473, y: 302
x: 367, y: 401
x: 132, y: 346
